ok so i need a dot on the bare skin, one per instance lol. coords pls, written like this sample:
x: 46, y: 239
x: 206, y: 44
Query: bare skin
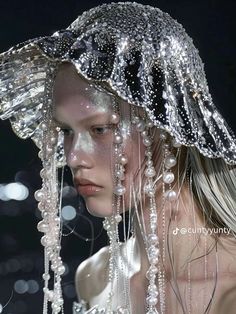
x: 91, y: 277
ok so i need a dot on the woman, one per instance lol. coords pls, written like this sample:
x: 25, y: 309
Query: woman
x: 124, y: 89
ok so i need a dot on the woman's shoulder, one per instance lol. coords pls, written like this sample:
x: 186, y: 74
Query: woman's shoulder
x: 91, y: 275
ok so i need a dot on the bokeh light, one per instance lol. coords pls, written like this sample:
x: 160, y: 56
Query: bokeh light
x: 68, y: 212
x: 21, y: 286
x: 14, y: 191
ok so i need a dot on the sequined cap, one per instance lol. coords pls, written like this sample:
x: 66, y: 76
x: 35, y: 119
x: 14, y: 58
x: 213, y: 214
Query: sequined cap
x: 135, y: 51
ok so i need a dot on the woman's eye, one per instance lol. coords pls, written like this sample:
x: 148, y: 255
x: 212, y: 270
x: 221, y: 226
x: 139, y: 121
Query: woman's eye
x: 100, y: 130
x: 66, y: 131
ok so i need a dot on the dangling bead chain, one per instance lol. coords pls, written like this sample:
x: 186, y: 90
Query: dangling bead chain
x: 152, y: 241
x: 110, y: 224
x: 48, y: 199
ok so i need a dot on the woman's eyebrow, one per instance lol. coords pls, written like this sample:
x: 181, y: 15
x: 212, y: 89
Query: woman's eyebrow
x: 85, y: 120
x: 57, y: 121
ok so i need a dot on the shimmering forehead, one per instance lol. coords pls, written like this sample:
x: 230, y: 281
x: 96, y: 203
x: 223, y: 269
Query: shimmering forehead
x: 76, y: 98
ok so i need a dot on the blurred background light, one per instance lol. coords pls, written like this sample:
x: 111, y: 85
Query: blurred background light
x: 21, y: 286
x: 3, y: 196
x: 16, y: 191
x: 68, y: 212
x: 33, y: 286
x: 69, y: 191
x: 69, y: 291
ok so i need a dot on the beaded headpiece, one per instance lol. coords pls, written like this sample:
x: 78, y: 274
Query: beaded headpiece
x: 137, y: 53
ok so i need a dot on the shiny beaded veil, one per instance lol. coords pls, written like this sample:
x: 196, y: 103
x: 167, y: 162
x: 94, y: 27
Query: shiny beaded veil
x: 140, y: 55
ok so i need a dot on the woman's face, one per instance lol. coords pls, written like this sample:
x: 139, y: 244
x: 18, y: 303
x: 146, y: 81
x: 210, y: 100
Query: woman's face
x: 85, y: 115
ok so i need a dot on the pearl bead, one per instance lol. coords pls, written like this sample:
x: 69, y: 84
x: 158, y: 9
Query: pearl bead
x: 149, y: 163
x: 163, y: 135
x: 140, y: 126
x: 49, y: 151
x: 44, y: 126
x: 168, y: 177
x: 118, y: 139
x: 136, y: 119
x: 148, y: 153
x: 171, y: 196
x: 123, y: 159
x: 53, y: 140
x: 144, y: 133
x: 43, y: 173
x: 118, y: 218
x: 149, y: 190
x: 150, y: 172
x: 166, y: 145
x: 170, y: 161
x: 44, y: 241
x: 41, y: 206
x: 39, y: 195
x: 42, y: 226
x: 120, y: 174
x: 46, y: 276
x: 150, y: 124
x: 119, y: 190
x: 147, y: 141
x: 115, y: 118
x: 40, y: 154
x: 175, y: 143
x: 61, y: 270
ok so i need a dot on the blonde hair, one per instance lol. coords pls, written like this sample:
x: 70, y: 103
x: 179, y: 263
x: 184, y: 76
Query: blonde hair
x: 214, y: 188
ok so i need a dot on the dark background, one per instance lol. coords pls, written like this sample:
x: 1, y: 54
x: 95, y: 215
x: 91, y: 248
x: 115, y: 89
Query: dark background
x: 212, y: 26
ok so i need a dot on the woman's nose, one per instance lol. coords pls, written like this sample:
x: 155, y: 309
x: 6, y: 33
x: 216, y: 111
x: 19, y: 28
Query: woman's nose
x: 79, y: 154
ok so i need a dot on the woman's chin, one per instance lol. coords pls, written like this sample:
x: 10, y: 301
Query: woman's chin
x: 97, y: 209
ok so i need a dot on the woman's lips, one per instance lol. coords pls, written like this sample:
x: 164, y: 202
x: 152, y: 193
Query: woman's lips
x: 88, y: 189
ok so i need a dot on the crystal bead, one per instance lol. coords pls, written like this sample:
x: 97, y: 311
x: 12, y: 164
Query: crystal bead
x: 151, y: 301
x: 152, y: 311
x: 120, y: 174
x: 163, y: 135
x: 153, y: 251
x: 140, y: 126
x: 118, y: 218
x: 151, y: 272
x: 152, y: 239
x: 176, y: 144
x: 53, y: 140
x: 147, y: 141
x: 150, y: 172
x: 150, y: 124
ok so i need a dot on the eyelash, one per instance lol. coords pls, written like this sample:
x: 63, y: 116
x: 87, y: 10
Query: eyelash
x: 102, y: 127
x: 68, y: 131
